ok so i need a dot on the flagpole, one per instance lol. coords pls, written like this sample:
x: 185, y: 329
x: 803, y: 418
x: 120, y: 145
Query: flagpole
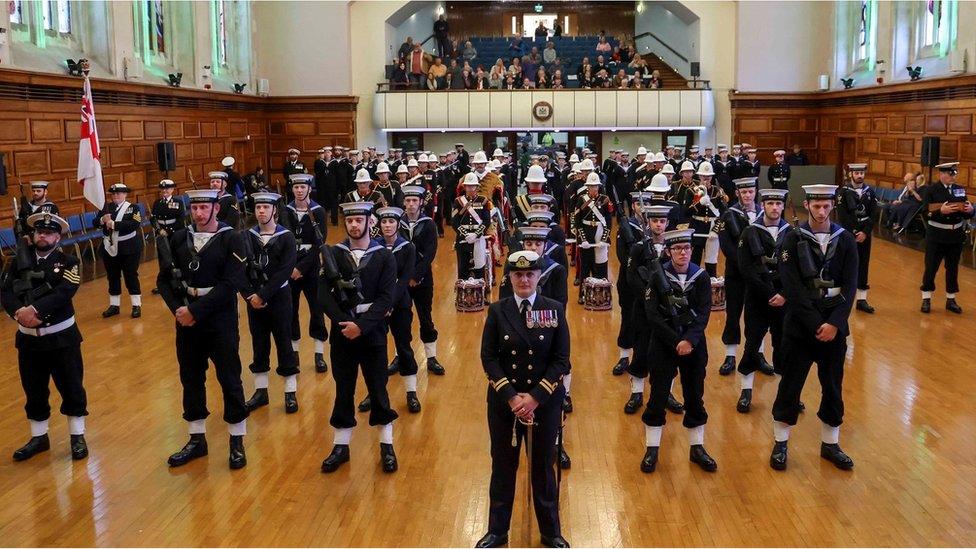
x: 89, y: 150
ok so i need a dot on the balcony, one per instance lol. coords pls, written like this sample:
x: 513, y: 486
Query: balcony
x: 522, y: 110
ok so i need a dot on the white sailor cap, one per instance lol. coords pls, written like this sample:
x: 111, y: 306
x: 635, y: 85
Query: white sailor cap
x: 227, y: 161
x: 265, y: 198
x: 300, y: 179
x: 414, y: 190
x: 779, y: 152
x: 678, y: 236
x: 745, y: 182
x: 389, y: 212
x: 533, y: 233
x: 820, y: 192
x: 202, y: 196
x: 658, y: 211
x: 540, y: 216
x: 294, y: 151
x: 167, y: 184
x: 121, y: 188
x: 39, y: 184
x: 356, y: 208
x: 772, y: 194
x: 217, y: 175
x: 857, y: 167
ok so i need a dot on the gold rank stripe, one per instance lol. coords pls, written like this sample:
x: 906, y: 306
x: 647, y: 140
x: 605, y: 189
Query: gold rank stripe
x: 548, y: 385
x: 500, y: 383
x: 71, y: 277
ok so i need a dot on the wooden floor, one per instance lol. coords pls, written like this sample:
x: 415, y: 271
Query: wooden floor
x: 910, y: 427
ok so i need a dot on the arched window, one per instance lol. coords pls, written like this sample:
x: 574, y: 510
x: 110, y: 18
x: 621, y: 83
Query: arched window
x: 864, y: 33
x: 230, y: 23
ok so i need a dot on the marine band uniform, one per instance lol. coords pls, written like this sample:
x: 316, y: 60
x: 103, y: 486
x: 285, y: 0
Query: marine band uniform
x: 471, y: 218
x: 591, y: 226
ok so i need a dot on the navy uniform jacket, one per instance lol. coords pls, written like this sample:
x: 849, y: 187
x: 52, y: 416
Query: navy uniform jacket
x: 698, y: 291
x: 762, y: 277
x: 729, y: 228
x: 277, y: 257
x: 170, y: 213
x: 778, y: 175
x: 637, y: 259
x: 128, y: 224
x: 54, y: 306
x: 292, y: 168
x: 803, y: 316
x: 724, y: 170
x: 229, y: 213
x: 307, y: 239
x: 552, y: 282
x: 423, y: 234
x: 519, y: 359
x: 406, y: 259
x: 28, y: 209
x: 935, y: 194
x: 623, y: 247
x: 221, y: 267
x: 377, y: 272
x: 855, y: 213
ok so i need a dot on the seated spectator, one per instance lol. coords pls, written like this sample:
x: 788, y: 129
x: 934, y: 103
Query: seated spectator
x: 469, y: 52
x: 481, y: 79
x: 638, y: 62
x: 400, y: 80
x: 509, y: 83
x: 534, y: 56
x: 620, y: 80
x: 908, y: 203
x: 529, y: 68
x: 558, y: 73
x: 557, y: 83
x: 466, y: 80
x: 527, y: 84
x: 603, y: 45
x: 626, y: 52
x: 405, y: 48
x: 516, y: 68
x: 583, y: 64
x: 797, y: 157
x: 541, y: 31
x: 586, y: 77
x: 418, y: 64
x: 601, y: 80
x: 615, y: 57
x: 455, y: 76
x: 455, y: 52
x: 497, y: 76
x: 431, y: 83
x: 541, y: 78
x: 439, y: 71
x: 655, y: 82
x: 600, y: 65
x: 517, y: 48
x: 549, y: 54
x: 556, y: 65
x: 637, y: 83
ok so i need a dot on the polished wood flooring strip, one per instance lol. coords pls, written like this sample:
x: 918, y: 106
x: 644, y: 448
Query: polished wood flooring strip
x: 909, y: 426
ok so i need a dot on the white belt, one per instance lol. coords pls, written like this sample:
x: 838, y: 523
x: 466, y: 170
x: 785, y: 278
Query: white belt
x: 832, y: 292
x: 53, y: 329
x: 283, y: 284
x: 946, y: 226
x: 363, y: 307
x: 165, y: 222
x: 198, y: 292
x: 126, y: 237
x: 304, y: 247
x: 591, y: 223
x: 702, y: 218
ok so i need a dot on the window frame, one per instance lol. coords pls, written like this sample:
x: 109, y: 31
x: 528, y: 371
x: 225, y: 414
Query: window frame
x: 944, y: 37
x: 144, y: 35
x: 865, y: 62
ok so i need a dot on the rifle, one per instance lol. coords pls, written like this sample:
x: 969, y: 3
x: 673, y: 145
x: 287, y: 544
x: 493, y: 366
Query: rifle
x: 347, y: 291
x: 166, y: 262
x: 254, y: 266
x: 813, y: 276
x: 623, y: 227
x: 23, y: 285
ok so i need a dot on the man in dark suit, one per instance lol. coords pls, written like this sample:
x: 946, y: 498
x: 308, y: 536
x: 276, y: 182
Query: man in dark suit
x: 525, y: 354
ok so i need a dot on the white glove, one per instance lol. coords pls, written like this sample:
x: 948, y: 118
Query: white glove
x: 585, y: 245
x: 470, y: 238
x: 706, y: 200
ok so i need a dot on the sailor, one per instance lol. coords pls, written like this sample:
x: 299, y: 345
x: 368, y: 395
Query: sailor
x: 121, y: 249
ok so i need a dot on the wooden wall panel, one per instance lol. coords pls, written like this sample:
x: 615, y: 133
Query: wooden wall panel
x: 888, y: 134
x: 40, y: 138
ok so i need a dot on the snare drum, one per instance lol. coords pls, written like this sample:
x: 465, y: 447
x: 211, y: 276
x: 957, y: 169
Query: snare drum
x: 597, y: 294
x: 469, y: 295
x: 718, y: 294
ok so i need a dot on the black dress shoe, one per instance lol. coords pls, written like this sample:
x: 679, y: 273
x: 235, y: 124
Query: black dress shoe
x: 634, y: 403
x: 34, y: 446
x: 257, y: 400
x: 111, y: 311
x: 155, y: 291
x: 765, y: 367
x: 649, y: 463
x: 237, y: 458
x: 833, y: 454
x: 136, y: 311
x: 434, y: 367
x: 745, y: 401
x: 554, y: 541
x: 803, y: 407
x: 195, y: 448
x: 492, y: 540
x: 926, y: 305
x: 394, y: 367
x: 388, y: 458
x: 862, y: 305
x: 564, y: 461
x: 700, y: 456
x: 576, y: 281
x: 621, y: 366
x: 79, y: 448
x: 320, y: 365
x: 568, y: 404
x: 674, y: 406
x: 953, y: 307
x: 291, y: 403
x: 727, y: 367
x: 413, y: 403
x: 777, y: 459
x: 339, y: 455
x: 365, y: 405
x: 580, y: 300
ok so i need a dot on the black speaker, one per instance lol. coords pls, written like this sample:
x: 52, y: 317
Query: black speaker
x: 3, y: 176
x: 930, y: 151
x: 695, y: 69
x: 166, y: 156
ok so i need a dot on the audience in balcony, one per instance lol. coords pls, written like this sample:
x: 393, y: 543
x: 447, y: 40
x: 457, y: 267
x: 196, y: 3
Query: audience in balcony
x: 541, y: 78
x: 439, y: 72
x: 441, y: 32
x: 481, y: 80
x: 625, y: 52
x: 405, y: 48
x: 497, y: 75
x: 400, y: 80
x: 585, y: 77
x: 510, y: 82
x: 621, y: 80
x: 517, y: 47
x: 655, y: 82
x: 603, y: 45
x: 549, y: 54
x: 432, y: 83
x: 455, y: 75
x: 469, y: 52
x: 418, y: 63
x: 600, y: 64
x: 638, y: 63
x: 557, y: 29
x: 541, y: 31
x: 557, y: 82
